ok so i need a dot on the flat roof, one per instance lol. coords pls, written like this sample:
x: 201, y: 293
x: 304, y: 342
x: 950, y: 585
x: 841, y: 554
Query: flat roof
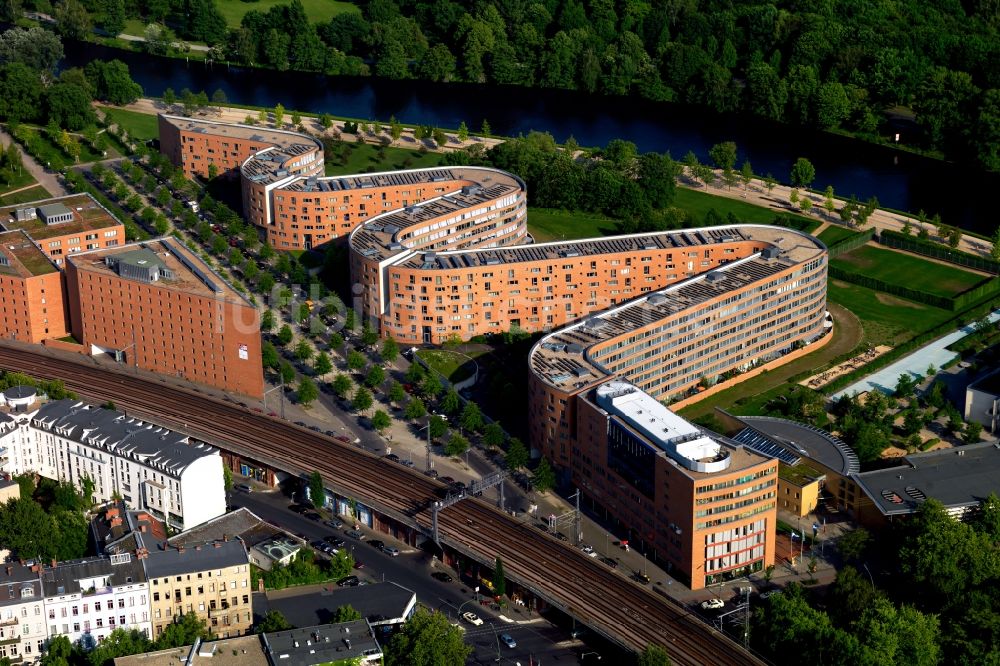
x: 800, y: 474
x: 239, y: 651
x: 24, y: 259
x: 562, y: 358
x: 321, y: 644
x: 800, y: 439
x: 959, y: 477
x: 190, y: 274
x: 241, y: 522
x: 316, y: 604
x: 176, y: 560
x: 88, y: 215
x: 988, y: 384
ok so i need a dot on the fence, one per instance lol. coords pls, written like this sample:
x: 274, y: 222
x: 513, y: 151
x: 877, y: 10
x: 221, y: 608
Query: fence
x: 900, y: 241
x: 850, y: 243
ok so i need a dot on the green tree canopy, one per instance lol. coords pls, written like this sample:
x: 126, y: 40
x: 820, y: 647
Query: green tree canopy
x: 427, y: 639
x: 274, y: 620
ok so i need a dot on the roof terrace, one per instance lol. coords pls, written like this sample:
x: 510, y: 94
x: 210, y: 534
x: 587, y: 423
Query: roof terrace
x: 20, y: 257
x: 87, y: 215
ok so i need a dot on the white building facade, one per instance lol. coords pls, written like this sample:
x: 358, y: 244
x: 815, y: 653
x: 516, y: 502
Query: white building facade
x: 85, y: 600
x: 22, y: 618
x: 175, y: 478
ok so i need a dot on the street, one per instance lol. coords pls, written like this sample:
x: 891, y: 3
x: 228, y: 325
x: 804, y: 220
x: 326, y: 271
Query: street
x: 536, y: 637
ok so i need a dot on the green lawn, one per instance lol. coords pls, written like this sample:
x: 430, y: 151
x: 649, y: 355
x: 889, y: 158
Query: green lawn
x: 549, y: 224
x: 35, y: 193
x: 454, y: 366
x: 17, y: 181
x: 834, y: 234
x: 317, y: 10
x: 140, y: 126
x: 364, y: 157
x: 886, y: 319
x: 907, y: 270
x: 698, y: 203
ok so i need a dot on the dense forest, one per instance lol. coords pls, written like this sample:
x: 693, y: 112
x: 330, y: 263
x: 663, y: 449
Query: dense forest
x: 822, y: 63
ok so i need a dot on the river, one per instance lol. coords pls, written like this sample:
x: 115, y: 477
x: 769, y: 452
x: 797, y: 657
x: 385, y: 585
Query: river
x: 899, y: 179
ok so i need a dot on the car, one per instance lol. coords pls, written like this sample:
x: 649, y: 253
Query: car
x: 376, y: 544
x: 243, y: 487
x: 640, y: 577
x: 458, y: 486
x: 297, y: 508
x: 472, y: 618
x: 433, y: 473
x: 588, y: 549
x: 335, y: 523
x: 610, y: 562
x: 713, y: 604
x: 446, y: 479
x: 769, y: 593
x: 330, y: 433
x: 391, y: 551
x: 274, y: 414
x: 358, y: 564
x: 355, y: 534
x: 315, y: 428
x: 258, y: 410
x: 407, y: 462
x: 318, y: 544
x: 442, y: 576
x: 312, y: 515
x: 508, y: 640
x: 349, y: 581
x: 301, y: 424
x: 334, y: 541
x: 392, y: 457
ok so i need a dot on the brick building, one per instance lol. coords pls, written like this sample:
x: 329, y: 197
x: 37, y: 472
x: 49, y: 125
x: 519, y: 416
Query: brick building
x: 156, y: 306
x: 65, y: 225
x: 32, y: 294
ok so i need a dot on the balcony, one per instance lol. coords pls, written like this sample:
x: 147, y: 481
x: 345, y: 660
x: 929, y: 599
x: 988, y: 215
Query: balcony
x: 9, y: 621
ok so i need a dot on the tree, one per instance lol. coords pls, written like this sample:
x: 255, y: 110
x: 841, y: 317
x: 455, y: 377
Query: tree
x: 457, y: 445
x: 451, y: 402
x: 995, y: 250
x: 303, y: 351
x: 274, y: 620
x: 430, y: 386
x: 544, y: 477
x: 723, y: 155
x: 828, y: 202
x: 415, y: 373
x: 341, y: 385
x: 853, y: 545
x: 362, y: 400
x: 345, y: 613
x: 954, y: 237
x: 517, y: 454
x: 72, y: 20
x: 279, y: 114
x: 494, y: 435
x: 296, y: 118
x: 427, y: 639
x: 183, y: 631
x: 307, y: 392
x: 415, y: 409
x: 654, y: 655
x: 356, y: 360
x: 485, y: 130
x: 119, y: 643
x: 368, y: 335
x: 323, y: 364
x: 58, y: 652
x: 463, y: 132
x: 269, y: 355
x: 471, y: 418
x: 440, y: 138
x: 112, y: 81
x: 499, y: 579
x: 769, y: 182
x: 973, y: 432
x: 438, y: 426
x: 27, y: 529
x: 389, y: 351
x: 903, y: 635
x: 380, y: 421
x: 396, y: 392
x: 285, y: 335
x: 746, y: 174
x: 803, y: 173
x: 317, y: 491
x: 169, y: 97
x: 375, y: 377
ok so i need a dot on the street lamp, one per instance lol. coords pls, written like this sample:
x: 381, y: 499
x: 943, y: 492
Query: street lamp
x: 865, y: 565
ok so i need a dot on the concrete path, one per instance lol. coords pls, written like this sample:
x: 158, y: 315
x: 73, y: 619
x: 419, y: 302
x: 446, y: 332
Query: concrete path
x: 46, y: 179
x: 933, y: 353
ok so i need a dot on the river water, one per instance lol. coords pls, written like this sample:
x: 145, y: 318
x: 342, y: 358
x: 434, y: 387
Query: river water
x: 900, y: 180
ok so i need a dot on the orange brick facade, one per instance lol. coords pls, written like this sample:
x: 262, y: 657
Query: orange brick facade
x: 32, y: 308
x: 176, y: 330
x: 92, y: 227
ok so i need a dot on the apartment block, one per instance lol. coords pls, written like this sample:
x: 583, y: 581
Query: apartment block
x: 211, y: 580
x: 85, y: 600
x: 156, y: 306
x: 23, y: 630
x: 32, y: 294
x: 65, y: 225
x: 153, y: 469
x: 701, y: 504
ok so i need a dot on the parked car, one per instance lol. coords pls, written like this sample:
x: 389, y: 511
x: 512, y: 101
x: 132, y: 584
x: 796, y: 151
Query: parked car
x: 442, y: 576
x: 335, y: 541
x: 376, y: 544
x: 610, y: 562
x: 769, y: 593
x: 243, y: 487
x: 589, y: 550
x: 349, y: 581
x: 312, y: 515
x: 472, y: 618
x: 355, y: 534
x: 391, y: 551
x: 393, y: 457
x: 335, y: 523
x: 508, y: 640
x: 713, y: 604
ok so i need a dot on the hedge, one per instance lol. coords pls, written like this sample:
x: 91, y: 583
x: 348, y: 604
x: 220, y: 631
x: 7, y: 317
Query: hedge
x: 850, y: 243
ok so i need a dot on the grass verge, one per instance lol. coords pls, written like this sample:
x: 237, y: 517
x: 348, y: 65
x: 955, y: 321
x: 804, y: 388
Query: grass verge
x: 35, y: 193
x: 454, y: 366
x: 549, y: 224
x: 318, y: 11
x: 367, y: 158
x: 140, y: 126
x: 907, y: 270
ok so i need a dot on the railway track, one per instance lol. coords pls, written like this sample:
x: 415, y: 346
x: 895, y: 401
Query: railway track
x: 566, y: 577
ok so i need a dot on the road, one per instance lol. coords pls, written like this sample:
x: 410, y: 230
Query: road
x: 535, y: 636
